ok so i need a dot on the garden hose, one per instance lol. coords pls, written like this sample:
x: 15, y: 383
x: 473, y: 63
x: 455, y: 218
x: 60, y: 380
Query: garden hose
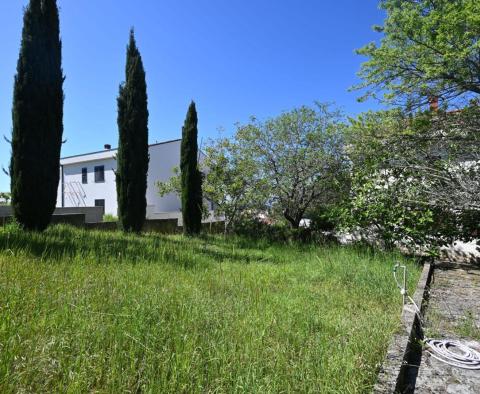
x: 447, y: 351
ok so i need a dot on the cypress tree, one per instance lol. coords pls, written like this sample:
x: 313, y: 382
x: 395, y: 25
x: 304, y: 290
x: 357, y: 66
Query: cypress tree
x: 191, y: 177
x: 132, y: 157
x: 37, y: 116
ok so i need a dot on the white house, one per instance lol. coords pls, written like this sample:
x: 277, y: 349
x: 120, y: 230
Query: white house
x: 89, y: 180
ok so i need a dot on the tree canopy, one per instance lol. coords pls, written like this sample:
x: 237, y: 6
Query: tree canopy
x: 429, y: 49
x: 416, y: 177
x: 287, y: 164
x: 232, y: 181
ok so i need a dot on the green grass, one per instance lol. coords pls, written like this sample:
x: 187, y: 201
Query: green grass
x: 466, y: 326
x: 103, y: 312
x: 110, y: 218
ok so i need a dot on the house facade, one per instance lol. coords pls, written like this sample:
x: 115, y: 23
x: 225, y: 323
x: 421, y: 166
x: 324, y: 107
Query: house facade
x: 89, y: 180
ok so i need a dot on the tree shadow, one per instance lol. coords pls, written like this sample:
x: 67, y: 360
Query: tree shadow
x: 447, y: 265
x: 461, y: 254
x: 65, y: 242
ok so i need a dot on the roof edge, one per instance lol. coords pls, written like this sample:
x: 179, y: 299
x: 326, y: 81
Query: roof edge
x: 114, y: 149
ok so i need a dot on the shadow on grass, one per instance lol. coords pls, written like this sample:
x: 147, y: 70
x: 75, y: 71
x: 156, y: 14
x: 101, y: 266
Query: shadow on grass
x: 62, y: 242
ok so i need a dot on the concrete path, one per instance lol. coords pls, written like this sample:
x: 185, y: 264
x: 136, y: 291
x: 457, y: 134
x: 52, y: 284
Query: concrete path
x: 453, y: 312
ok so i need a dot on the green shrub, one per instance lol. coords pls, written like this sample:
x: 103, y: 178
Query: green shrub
x: 108, y: 217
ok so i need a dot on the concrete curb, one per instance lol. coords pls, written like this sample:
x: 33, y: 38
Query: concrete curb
x: 400, y: 367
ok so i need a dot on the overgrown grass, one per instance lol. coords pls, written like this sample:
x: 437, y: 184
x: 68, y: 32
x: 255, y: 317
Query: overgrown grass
x: 104, y: 312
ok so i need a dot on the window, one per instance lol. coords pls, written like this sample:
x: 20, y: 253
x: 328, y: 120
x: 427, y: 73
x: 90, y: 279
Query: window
x: 84, y: 175
x: 99, y: 174
x: 100, y: 203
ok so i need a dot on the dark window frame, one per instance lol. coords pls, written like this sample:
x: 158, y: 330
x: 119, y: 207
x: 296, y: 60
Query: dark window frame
x: 100, y: 202
x: 84, y: 175
x: 99, y: 170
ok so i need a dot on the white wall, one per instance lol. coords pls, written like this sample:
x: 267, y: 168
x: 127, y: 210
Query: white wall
x: 92, y: 191
x: 163, y: 158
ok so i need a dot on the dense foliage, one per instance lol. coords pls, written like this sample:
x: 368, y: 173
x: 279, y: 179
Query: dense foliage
x: 415, y: 176
x: 191, y: 176
x: 415, y: 179
x: 37, y: 117
x: 233, y: 181
x: 132, y: 157
x: 300, y: 156
x: 429, y: 49
x: 275, y: 170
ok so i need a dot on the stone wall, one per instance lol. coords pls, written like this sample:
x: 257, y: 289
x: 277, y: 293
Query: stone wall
x: 161, y: 226
x: 167, y: 226
x: 75, y: 219
x: 102, y: 226
x: 91, y: 214
x: 5, y: 211
x: 92, y: 218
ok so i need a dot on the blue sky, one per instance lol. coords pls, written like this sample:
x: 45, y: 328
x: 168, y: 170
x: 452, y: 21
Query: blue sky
x: 235, y: 58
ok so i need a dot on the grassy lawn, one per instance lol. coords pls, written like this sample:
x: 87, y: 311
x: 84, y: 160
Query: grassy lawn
x: 103, y: 312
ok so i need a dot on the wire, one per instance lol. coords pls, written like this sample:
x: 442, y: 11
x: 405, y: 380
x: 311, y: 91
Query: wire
x: 447, y: 351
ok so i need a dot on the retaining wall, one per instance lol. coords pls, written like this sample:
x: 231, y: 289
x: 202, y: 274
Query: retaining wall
x: 77, y: 219
x: 400, y: 367
x: 74, y: 219
x: 91, y: 214
x: 162, y: 226
x: 167, y: 226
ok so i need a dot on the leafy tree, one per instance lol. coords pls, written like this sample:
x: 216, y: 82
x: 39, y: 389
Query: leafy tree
x: 191, y: 177
x: 232, y: 182
x: 429, y: 49
x: 37, y: 117
x: 132, y: 157
x: 415, y: 178
x: 300, y: 156
x: 172, y: 185
x: 416, y: 174
x: 293, y: 162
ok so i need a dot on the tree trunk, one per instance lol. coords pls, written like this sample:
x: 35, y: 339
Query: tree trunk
x: 293, y: 220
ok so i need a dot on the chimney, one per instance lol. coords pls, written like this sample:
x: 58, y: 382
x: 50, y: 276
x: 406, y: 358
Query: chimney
x: 433, y: 103
x: 107, y: 146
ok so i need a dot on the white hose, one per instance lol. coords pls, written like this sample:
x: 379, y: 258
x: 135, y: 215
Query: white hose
x: 454, y: 353
x: 447, y: 351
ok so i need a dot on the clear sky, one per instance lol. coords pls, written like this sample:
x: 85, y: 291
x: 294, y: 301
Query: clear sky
x: 235, y: 58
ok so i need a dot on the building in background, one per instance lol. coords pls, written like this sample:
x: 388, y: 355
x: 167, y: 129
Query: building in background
x: 89, y: 180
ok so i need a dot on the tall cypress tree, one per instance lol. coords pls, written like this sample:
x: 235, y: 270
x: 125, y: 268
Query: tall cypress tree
x: 37, y: 116
x: 132, y: 157
x: 191, y: 177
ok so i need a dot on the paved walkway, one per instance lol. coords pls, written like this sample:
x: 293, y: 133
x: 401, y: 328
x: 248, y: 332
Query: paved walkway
x: 453, y: 312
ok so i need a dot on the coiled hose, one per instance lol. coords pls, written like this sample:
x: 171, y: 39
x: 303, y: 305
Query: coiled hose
x: 447, y: 351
